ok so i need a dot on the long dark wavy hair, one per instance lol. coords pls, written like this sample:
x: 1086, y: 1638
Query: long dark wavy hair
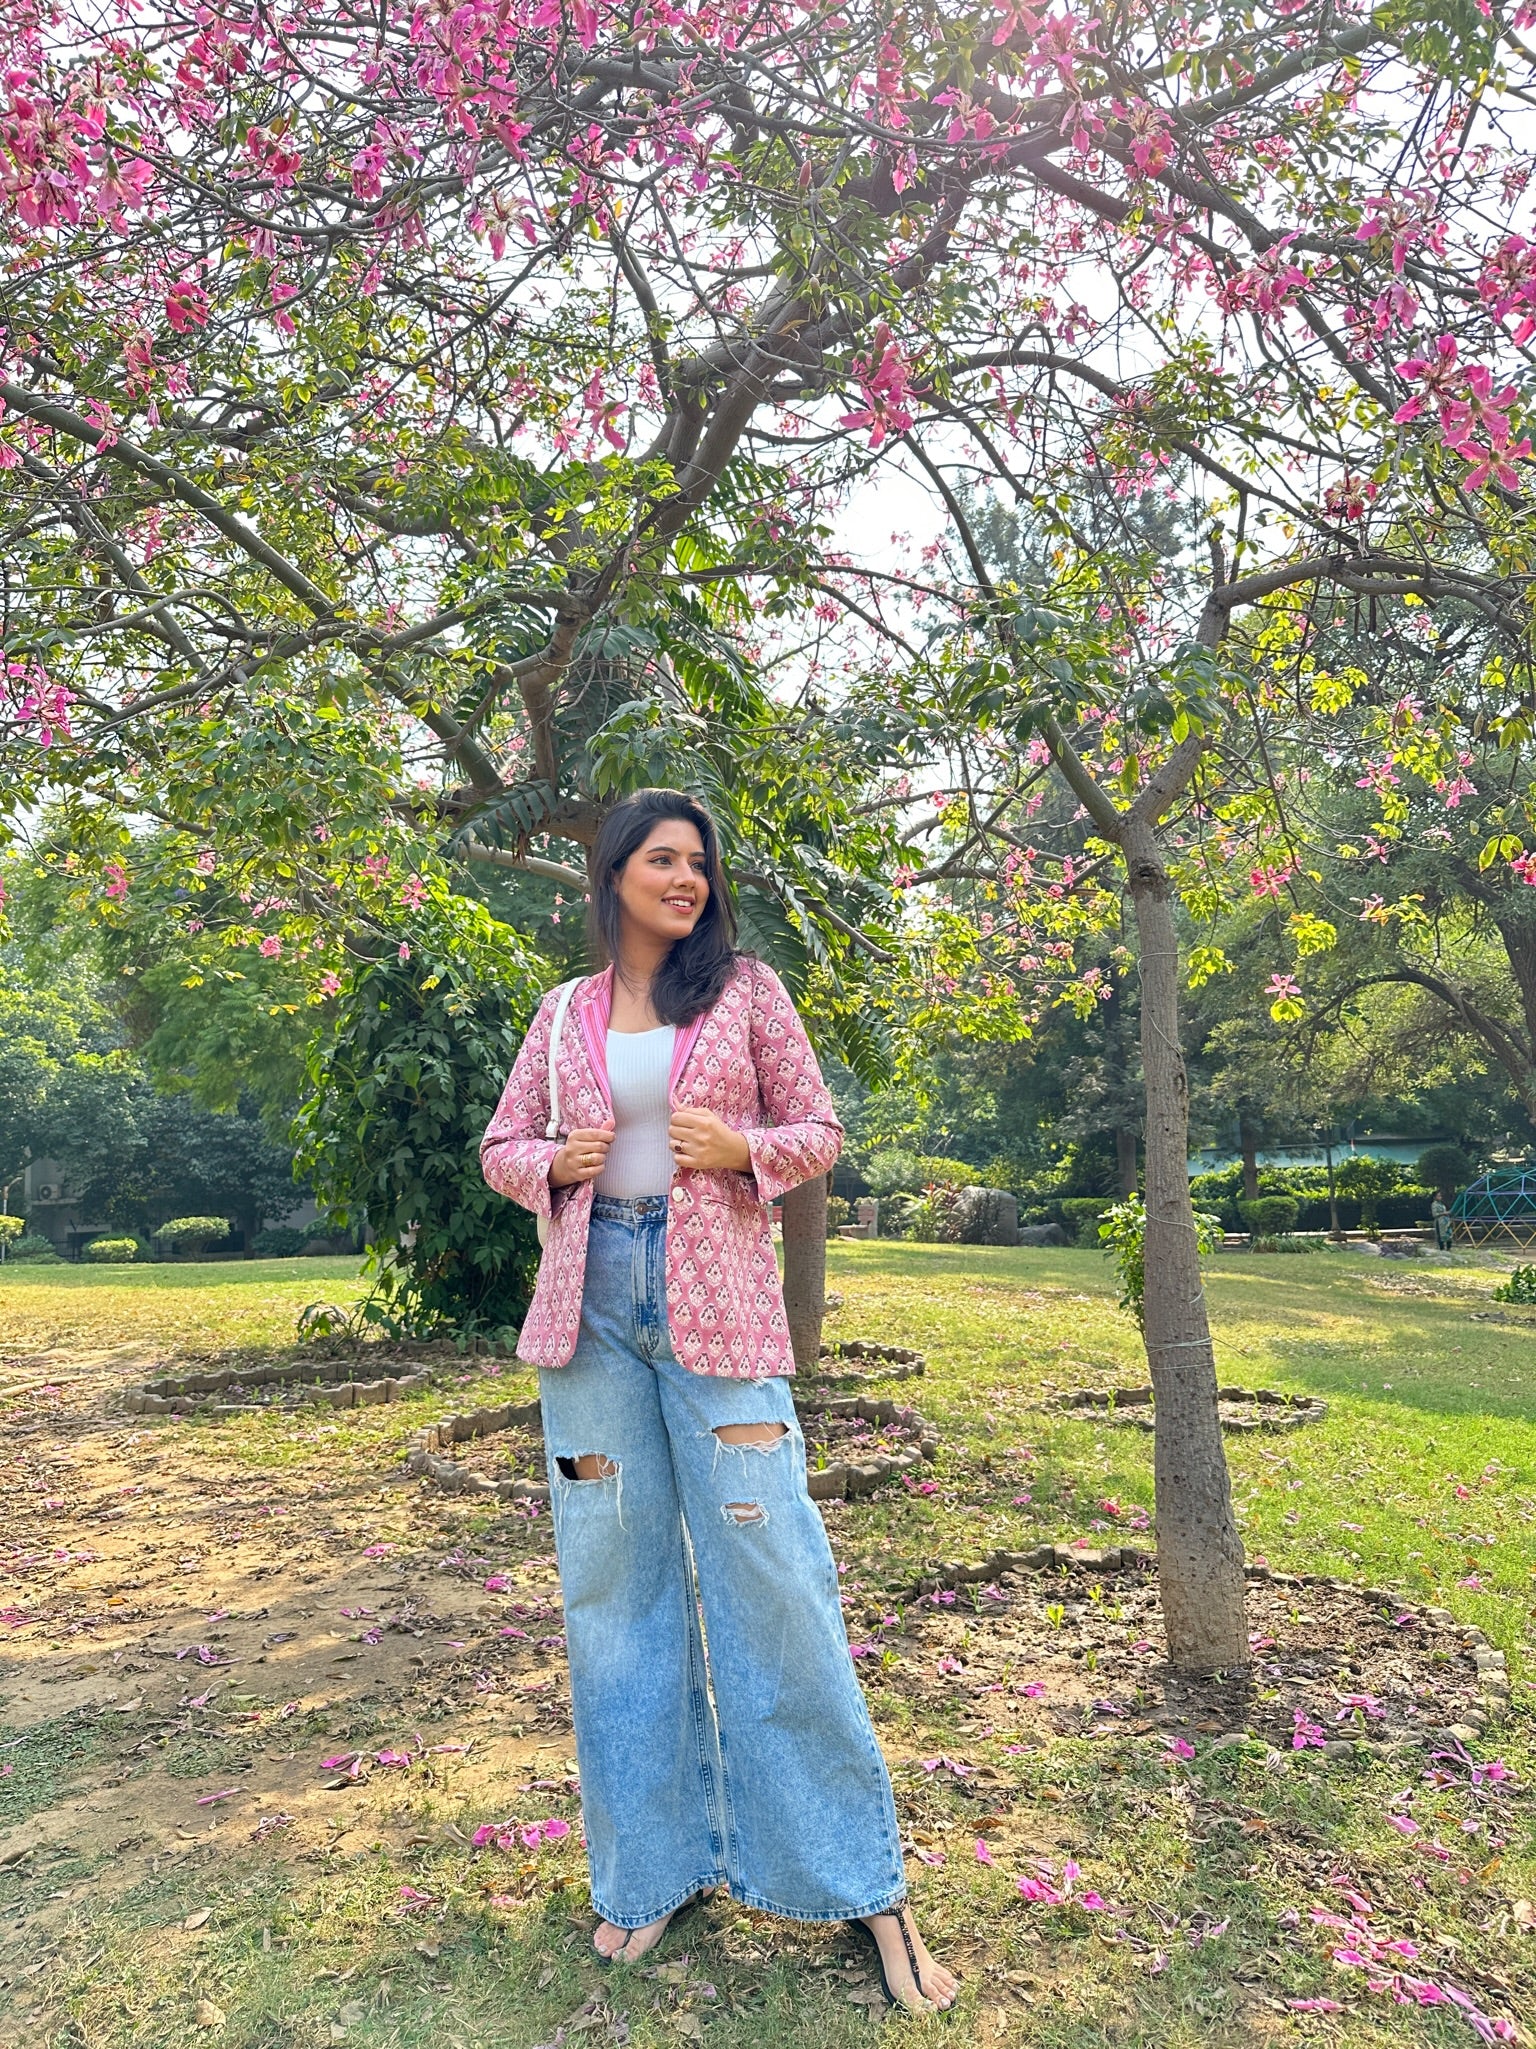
x: 695, y: 969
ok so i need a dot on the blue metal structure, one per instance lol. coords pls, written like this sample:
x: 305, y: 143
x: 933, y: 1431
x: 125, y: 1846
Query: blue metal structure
x: 1499, y: 1208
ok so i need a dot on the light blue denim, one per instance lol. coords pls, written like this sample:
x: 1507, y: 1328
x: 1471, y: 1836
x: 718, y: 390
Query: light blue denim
x: 755, y: 1765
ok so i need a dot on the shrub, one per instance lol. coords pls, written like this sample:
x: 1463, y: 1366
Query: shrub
x: 279, y: 1241
x: 1444, y: 1168
x: 401, y: 1090
x: 191, y: 1234
x: 1081, y: 1214
x: 32, y: 1248
x: 1268, y: 1216
x: 892, y: 1172
x: 839, y: 1212
x: 1520, y: 1287
x: 1369, y: 1180
x: 933, y: 1217
x: 112, y: 1251
x: 899, y: 1172
x: 11, y: 1227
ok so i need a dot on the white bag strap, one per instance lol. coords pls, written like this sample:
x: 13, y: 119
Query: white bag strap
x: 562, y: 1005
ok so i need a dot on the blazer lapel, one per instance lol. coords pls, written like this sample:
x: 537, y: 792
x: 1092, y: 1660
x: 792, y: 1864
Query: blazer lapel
x: 682, y: 1046
x: 593, y: 1008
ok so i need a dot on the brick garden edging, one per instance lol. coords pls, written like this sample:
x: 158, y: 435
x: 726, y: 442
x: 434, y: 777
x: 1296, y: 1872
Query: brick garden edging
x: 1272, y: 1409
x: 841, y: 1481
x: 890, y: 1362
x: 1491, y: 1665
x: 163, y: 1397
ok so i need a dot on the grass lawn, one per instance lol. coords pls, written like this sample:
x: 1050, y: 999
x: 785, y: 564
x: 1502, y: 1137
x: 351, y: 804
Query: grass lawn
x: 174, y: 1869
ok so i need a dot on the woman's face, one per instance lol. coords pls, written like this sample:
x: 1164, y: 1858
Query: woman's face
x: 662, y: 886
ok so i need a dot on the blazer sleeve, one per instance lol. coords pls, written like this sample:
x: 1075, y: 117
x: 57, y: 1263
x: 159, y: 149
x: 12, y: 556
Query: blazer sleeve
x: 801, y: 1135
x: 514, y: 1153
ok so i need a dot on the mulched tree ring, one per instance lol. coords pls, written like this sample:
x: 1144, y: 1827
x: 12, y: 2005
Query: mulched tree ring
x: 856, y: 1361
x: 860, y: 1443
x: 1239, y: 1408
x: 855, y: 1443
x: 1072, y: 1647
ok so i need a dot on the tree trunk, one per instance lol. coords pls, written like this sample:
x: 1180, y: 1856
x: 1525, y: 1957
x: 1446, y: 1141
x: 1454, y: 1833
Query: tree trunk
x: 1248, y: 1140
x: 1199, y: 1551
x: 805, y: 1268
x: 1125, y: 1161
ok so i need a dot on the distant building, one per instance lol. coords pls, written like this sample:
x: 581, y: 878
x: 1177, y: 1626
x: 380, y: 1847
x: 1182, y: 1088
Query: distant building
x: 1403, y: 1152
x: 52, y: 1208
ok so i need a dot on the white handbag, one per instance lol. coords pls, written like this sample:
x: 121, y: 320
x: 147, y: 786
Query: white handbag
x: 552, y: 1128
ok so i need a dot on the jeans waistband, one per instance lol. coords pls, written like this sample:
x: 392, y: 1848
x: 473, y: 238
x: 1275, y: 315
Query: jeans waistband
x: 628, y: 1209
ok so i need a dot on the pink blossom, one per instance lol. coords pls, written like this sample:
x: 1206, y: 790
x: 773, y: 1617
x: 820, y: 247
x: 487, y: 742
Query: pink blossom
x: 1494, y: 462
x: 882, y: 378
x: 186, y: 305
x: 271, y: 947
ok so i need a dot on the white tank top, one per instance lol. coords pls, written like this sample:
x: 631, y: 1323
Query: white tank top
x: 639, y: 1066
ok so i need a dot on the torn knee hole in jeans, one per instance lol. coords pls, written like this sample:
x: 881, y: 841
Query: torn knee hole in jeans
x: 764, y: 1437
x: 590, y: 1465
x: 744, y: 1512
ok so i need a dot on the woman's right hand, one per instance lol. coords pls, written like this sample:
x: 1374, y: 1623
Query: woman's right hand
x: 581, y: 1158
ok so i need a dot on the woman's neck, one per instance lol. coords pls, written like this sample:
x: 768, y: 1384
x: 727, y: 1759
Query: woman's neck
x: 634, y: 972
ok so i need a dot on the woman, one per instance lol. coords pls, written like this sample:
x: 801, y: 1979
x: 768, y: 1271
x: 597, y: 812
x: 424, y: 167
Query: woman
x: 689, y: 1098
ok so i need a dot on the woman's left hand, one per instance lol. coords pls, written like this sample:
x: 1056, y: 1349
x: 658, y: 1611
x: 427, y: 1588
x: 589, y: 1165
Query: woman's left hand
x: 700, y: 1141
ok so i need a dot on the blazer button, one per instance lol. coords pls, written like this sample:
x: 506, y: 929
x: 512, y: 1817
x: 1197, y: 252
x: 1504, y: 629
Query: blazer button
x: 675, y: 1193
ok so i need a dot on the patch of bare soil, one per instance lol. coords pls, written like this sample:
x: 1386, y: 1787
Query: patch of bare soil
x: 184, y: 1642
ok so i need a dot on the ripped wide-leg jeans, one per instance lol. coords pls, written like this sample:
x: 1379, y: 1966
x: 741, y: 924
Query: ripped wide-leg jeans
x: 753, y: 1765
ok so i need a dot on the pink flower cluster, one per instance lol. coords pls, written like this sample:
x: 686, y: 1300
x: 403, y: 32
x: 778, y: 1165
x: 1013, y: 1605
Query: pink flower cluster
x: 882, y: 378
x: 1366, y: 1948
x: 506, y: 1835
x: 36, y: 699
x: 1474, y: 418
x: 56, y: 164
x: 1046, y: 1891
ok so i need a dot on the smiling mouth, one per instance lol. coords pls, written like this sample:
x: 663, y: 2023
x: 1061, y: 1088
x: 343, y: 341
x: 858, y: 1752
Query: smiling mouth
x: 680, y: 903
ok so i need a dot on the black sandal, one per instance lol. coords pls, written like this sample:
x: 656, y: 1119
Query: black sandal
x: 900, y: 1917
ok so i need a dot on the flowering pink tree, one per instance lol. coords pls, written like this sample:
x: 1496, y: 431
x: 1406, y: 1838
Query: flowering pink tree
x: 1288, y: 285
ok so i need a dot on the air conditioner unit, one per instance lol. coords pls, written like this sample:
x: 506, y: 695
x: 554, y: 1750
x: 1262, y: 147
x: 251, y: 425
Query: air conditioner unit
x: 46, y: 1192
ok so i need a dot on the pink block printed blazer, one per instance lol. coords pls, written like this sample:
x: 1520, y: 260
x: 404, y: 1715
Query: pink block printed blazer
x: 749, y: 1061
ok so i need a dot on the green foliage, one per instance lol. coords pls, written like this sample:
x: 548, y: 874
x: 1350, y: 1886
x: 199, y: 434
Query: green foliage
x: 1269, y: 1216
x: 1444, y: 1167
x: 278, y: 1241
x: 112, y: 1251
x: 32, y: 1249
x: 1368, y: 1180
x: 191, y: 1234
x: 1520, y: 1287
x: 1081, y: 1215
x: 839, y: 1212
x: 403, y: 1086
x: 1123, y: 1234
x: 897, y: 1171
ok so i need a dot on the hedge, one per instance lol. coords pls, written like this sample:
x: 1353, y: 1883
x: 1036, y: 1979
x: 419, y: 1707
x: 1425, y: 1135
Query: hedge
x: 112, y: 1251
